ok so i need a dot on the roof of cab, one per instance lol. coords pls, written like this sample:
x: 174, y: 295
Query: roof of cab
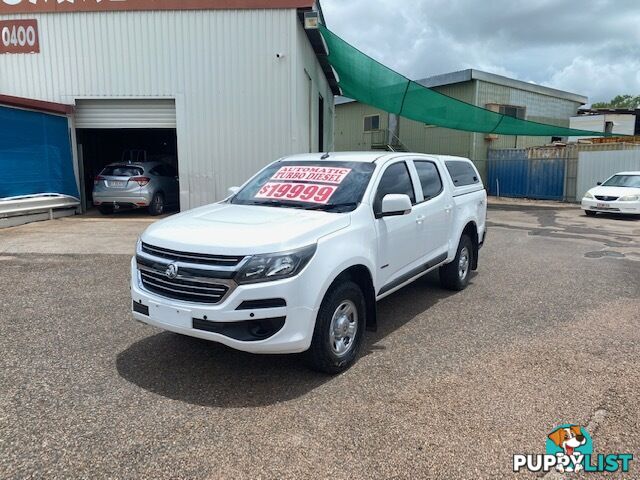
x: 366, y: 157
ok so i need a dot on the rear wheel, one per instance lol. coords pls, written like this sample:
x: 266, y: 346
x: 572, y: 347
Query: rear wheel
x: 339, y: 329
x: 590, y: 213
x: 455, y: 275
x: 156, y: 207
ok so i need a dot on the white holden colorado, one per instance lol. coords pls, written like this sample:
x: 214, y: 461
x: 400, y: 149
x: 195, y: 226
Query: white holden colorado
x: 296, y: 259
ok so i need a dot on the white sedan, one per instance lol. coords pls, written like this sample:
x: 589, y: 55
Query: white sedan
x: 619, y: 194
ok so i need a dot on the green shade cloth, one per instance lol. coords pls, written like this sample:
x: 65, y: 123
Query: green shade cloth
x: 370, y: 82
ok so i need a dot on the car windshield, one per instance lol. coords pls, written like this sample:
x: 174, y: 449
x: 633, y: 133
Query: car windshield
x: 327, y: 186
x: 122, y: 171
x: 631, y: 181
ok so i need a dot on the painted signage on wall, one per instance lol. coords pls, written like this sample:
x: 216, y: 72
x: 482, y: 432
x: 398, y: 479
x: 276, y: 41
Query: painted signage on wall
x: 19, y: 36
x: 47, y: 6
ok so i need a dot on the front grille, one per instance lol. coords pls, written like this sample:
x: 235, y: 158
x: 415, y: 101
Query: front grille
x: 188, y: 257
x: 189, y: 290
x: 606, y: 199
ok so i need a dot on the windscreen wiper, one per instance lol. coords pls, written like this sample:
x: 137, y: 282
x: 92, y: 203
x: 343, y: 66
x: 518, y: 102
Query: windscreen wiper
x: 332, y: 206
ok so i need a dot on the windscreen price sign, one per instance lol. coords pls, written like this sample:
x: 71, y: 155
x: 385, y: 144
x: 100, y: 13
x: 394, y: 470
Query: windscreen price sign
x: 19, y: 36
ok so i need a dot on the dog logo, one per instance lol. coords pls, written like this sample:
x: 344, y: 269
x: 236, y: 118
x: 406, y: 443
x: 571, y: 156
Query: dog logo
x: 172, y: 271
x: 569, y: 449
x: 569, y: 440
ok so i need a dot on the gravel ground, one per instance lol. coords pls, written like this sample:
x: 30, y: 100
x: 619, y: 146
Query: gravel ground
x: 451, y: 386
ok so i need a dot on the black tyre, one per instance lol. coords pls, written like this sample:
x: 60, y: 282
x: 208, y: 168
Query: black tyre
x: 339, y: 330
x: 105, y: 210
x: 455, y: 275
x: 156, y: 207
x: 590, y: 213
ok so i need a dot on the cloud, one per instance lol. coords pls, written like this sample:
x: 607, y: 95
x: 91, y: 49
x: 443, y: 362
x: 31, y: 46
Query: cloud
x: 591, y: 48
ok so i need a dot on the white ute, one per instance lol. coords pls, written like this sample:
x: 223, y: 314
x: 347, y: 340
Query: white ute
x: 296, y: 259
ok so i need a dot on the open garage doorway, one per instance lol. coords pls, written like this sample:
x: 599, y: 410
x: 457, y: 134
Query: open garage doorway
x: 123, y: 132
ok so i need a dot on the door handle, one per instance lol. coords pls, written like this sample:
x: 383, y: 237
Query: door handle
x: 420, y: 220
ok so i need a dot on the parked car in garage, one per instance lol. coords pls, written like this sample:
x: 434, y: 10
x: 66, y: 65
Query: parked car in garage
x: 618, y: 194
x: 296, y: 259
x: 148, y: 184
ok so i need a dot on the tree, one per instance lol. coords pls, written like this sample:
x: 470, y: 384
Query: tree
x: 620, y: 101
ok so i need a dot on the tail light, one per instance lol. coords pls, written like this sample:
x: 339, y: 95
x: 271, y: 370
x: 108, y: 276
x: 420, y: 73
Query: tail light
x: 142, y: 181
x: 98, y: 179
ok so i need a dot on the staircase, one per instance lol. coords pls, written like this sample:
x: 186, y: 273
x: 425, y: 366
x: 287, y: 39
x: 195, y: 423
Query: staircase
x: 385, y: 140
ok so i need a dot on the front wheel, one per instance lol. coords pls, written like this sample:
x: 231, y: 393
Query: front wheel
x: 339, y: 329
x: 455, y: 275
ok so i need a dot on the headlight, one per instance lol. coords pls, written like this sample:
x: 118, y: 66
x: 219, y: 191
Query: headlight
x: 629, y: 198
x: 275, y: 266
x: 588, y: 195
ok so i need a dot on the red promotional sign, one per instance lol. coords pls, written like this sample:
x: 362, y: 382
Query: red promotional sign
x: 298, y: 192
x: 19, y: 36
x: 312, y: 174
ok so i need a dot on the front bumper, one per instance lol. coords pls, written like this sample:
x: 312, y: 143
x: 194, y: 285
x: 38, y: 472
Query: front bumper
x: 181, y: 317
x: 611, y: 207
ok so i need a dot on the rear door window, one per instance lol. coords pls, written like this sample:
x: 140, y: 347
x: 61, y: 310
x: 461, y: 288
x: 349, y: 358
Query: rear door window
x: 462, y: 173
x: 122, y: 171
x: 429, y: 178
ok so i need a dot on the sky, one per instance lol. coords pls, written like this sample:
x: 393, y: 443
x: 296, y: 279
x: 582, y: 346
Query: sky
x: 589, y: 47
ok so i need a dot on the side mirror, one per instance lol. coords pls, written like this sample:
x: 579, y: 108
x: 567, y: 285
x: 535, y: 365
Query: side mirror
x: 599, y: 183
x: 233, y: 190
x: 395, y: 205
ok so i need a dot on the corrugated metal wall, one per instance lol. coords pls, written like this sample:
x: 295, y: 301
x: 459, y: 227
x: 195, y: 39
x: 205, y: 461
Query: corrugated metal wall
x: 568, y: 155
x: 511, y: 173
x: 237, y: 105
x: 540, y: 108
x: 595, y: 166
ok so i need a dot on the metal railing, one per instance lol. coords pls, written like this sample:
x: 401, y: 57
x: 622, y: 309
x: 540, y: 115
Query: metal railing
x: 384, y: 139
x: 40, y: 203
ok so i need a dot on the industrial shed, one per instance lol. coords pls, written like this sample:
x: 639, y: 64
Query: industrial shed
x: 362, y: 127
x: 221, y: 87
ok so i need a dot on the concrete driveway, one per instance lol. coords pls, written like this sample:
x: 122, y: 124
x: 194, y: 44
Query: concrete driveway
x: 451, y: 386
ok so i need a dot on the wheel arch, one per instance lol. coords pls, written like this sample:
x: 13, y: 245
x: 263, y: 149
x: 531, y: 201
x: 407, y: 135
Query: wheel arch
x: 471, y: 230
x: 361, y: 275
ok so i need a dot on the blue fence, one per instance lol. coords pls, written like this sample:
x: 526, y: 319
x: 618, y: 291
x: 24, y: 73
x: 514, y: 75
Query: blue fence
x: 512, y: 174
x: 35, y: 154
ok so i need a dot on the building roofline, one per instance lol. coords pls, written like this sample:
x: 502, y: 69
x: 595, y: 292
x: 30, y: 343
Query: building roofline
x: 39, y: 105
x: 145, y: 5
x: 472, y: 74
x: 608, y: 111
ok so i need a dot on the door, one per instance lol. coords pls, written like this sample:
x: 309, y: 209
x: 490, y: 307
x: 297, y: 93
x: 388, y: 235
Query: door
x: 397, y: 252
x: 125, y: 113
x: 433, y: 210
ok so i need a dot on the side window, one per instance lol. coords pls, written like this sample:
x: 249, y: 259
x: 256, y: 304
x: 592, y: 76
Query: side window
x: 462, y: 173
x: 429, y: 179
x: 371, y: 123
x: 395, y: 179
